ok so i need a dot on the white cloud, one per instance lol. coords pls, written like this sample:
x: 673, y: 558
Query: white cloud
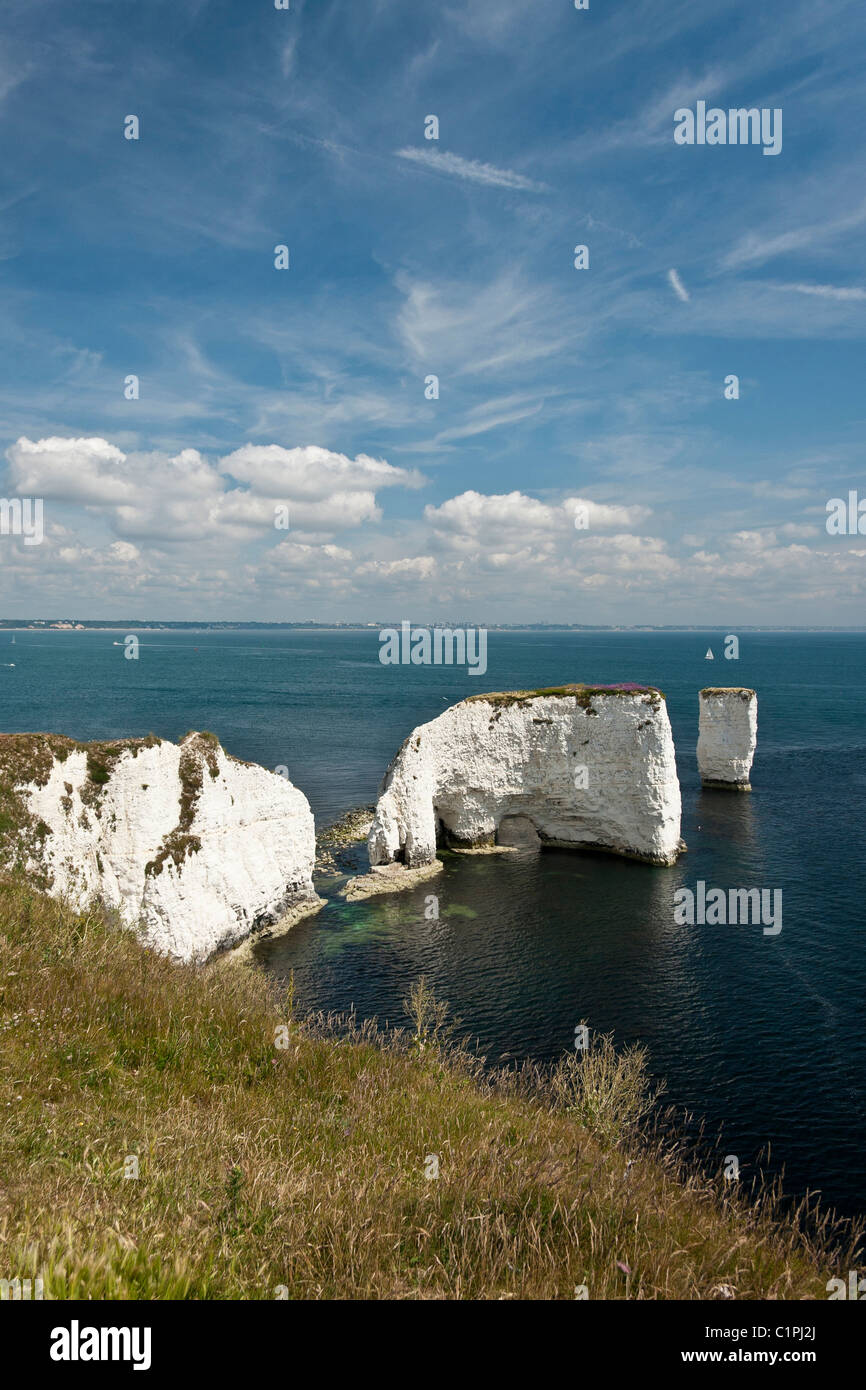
x: 184, y: 497
x: 841, y: 292
x: 188, y: 541
x: 294, y: 555
x: 755, y: 249
x: 678, y: 287
x: 472, y: 514
x: 491, y: 416
x: 502, y: 326
x: 473, y: 170
x: 476, y: 516
x: 417, y: 566
x: 71, y: 470
x: 312, y: 473
x: 604, y: 514
x: 288, y: 56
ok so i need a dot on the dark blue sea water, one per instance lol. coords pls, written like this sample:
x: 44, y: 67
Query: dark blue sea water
x: 761, y: 1035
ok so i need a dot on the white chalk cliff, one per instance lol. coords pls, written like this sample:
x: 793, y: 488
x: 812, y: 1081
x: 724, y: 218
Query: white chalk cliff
x: 728, y: 735
x: 589, y: 767
x: 194, y: 848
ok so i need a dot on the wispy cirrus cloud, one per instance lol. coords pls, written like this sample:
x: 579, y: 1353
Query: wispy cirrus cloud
x: 754, y: 249
x: 678, y: 287
x: 841, y: 292
x: 411, y: 262
x: 472, y: 170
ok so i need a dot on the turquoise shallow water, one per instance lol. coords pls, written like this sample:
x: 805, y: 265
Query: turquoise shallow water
x: 763, y: 1036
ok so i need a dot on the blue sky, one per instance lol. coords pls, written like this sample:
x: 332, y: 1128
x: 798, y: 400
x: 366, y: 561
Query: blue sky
x: 411, y: 257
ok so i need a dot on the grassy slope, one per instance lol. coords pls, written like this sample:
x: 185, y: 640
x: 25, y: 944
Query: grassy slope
x: 304, y: 1166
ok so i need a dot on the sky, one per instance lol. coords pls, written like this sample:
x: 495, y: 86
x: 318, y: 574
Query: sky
x: 287, y: 456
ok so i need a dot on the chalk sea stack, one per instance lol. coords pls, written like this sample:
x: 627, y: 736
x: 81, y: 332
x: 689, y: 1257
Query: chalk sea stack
x: 728, y: 734
x: 193, y: 848
x: 573, y: 766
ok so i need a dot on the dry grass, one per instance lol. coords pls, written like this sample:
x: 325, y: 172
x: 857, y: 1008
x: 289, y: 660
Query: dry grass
x: 303, y: 1166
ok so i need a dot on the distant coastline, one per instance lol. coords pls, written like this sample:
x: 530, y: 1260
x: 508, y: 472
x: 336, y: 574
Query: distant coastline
x: 242, y: 625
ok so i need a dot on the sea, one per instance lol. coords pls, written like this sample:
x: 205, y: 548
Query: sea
x: 759, y: 1039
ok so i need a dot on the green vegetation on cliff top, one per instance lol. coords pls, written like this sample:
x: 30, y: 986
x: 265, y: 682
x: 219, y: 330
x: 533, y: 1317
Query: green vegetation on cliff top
x: 742, y: 690
x: 582, y: 694
x: 274, y: 1151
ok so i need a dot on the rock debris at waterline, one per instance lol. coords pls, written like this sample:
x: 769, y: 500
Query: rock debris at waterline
x: 588, y: 767
x: 197, y: 850
x: 727, y: 737
x: 388, y: 878
x: 194, y: 848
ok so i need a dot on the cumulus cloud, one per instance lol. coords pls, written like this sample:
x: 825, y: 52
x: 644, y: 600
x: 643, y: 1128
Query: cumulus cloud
x: 418, y: 566
x: 143, y: 494
x: 184, y: 496
x: 311, y: 473
x: 70, y: 470
x: 603, y: 514
x: 476, y: 516
x: 474, y: 513
x: 296, y: 555
x: 186, y: 536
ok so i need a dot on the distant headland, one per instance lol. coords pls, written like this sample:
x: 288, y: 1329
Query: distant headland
x: 243, y: 624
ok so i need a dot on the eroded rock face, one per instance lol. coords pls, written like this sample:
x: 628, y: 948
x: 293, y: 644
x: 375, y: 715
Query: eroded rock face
x: 728, y: 734
x: 589, y: 767
x: 194, y: 848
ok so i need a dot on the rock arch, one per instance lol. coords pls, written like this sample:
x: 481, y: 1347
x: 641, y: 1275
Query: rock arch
x: 589, y: 767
